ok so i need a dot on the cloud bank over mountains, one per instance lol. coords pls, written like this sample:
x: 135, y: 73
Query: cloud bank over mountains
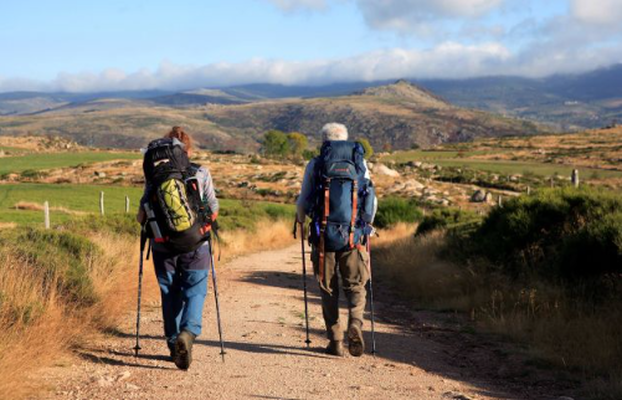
x: 466, y: 39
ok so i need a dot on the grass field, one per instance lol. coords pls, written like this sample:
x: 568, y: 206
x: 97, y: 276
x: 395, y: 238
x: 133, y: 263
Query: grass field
x: 85, y: 198
x: 59, y: 160
x: 72, y: 197
x: 450, y: 159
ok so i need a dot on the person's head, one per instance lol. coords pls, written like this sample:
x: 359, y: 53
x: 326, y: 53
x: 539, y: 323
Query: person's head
x: 177, y: 132
x: 334, y: 131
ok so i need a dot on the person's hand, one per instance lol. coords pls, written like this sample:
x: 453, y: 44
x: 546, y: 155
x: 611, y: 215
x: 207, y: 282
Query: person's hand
x: 141, y: 216
x: 214, y: 216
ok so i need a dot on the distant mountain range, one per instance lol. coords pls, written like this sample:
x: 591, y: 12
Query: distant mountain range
x: 565, y: 102
x: 398, y: 115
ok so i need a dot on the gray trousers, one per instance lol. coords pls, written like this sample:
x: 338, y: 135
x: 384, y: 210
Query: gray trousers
x: 351, y: 266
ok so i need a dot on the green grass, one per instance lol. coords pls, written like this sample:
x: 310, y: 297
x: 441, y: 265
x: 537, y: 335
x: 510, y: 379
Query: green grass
x: 59, y: 160
x: 12, y: 149
x: 73, y: 197
x: 451, y: 159
x: 233, y: 213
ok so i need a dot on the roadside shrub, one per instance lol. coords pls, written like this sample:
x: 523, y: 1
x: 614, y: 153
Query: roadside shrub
x: 62, y: 255
x: 392, y: 210
x: 443, y: 218
x: 117, y: 223
x: 565, y: 234
x: 33, y: 174
x: 309, y: 154
x: 369, y: 151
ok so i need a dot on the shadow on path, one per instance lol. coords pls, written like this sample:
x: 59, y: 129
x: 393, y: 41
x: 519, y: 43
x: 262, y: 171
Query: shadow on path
x: 96, y: 359
x: 443, y: 344
x: 248, y: 347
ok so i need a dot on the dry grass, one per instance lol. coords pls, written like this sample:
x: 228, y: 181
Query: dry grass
x: 398, y: 231
x: 563, y: 332
x: 39, y: 325
x: 267, y: 235
x: 412, y: 263
x: 35, y: 326
x: 32, y: 206
x: 7, y: 225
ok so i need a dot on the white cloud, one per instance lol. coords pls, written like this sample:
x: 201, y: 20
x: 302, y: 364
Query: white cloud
x: 597, y: 12
x: 447, y: 60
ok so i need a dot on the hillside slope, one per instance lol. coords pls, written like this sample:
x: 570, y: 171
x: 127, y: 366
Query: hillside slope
x: 396, y: 116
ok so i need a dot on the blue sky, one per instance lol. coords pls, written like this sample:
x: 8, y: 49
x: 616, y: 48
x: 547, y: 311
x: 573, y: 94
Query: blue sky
x: 115, y: 45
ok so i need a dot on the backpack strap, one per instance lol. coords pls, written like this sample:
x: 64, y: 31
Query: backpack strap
x: 354, y: 213
x: 322, y: 247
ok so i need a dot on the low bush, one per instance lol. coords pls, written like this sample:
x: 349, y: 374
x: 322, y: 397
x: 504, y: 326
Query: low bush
x: 62, y: 255
x: 558, y: 234
x: 244, y: 215
x: 446, y: 218
x: 392, y: 210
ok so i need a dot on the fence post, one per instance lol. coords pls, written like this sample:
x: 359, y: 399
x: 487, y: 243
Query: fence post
x: 500, y: 201
x: 552, y: 182
x: 575, y: 178
x: 127, y: 204
x: 46, y: 215
x: 528, y: 190
x: 101, y: 203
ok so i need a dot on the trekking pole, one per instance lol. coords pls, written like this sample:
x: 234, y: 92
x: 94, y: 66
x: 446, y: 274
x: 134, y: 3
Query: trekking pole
x: 222, y: 344
x: 371, y: 298
x: 143, y: 240
x: 304, y: 279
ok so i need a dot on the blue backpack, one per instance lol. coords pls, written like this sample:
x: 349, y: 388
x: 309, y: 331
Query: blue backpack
x: 342, y: 200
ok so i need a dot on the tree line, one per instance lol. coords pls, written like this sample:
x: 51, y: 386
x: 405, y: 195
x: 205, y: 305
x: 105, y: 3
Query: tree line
x: 295, y: 145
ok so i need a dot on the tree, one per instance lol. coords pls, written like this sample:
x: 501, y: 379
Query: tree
x: 275, y: 144
x: 369, y: 151
x: 297, y: 143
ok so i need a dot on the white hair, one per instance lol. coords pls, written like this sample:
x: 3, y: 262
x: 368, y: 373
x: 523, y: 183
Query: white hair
x: 334, y: 131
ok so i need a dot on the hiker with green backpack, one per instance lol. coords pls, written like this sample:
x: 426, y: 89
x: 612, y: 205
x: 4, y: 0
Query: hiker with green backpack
x: 338, y: 195
x: 177, y: 210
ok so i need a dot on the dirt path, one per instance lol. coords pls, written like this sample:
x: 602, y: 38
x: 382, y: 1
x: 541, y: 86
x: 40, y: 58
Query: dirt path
x: 261, y: 301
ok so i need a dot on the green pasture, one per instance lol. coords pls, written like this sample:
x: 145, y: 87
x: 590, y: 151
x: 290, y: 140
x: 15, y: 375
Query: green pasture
x: 59, y: 160
x: 451, y: 159
x: 72, y: 197
x: 85, y: 198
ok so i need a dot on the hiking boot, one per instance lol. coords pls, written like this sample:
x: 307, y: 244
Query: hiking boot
x: 182, y: 353
x: 335, y: 348
x: 356, y: 345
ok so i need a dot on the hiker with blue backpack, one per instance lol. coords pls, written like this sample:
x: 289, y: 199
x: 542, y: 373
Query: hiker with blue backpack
x: 178, y: 210
x: 338, y: 195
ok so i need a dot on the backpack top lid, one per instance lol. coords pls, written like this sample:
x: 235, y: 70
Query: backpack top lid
x: 341, y: 159
x: 168, y: 156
